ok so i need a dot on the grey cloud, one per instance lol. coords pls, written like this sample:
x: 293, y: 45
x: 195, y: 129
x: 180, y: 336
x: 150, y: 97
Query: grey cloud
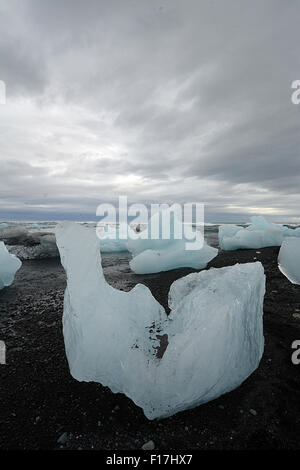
x: 163, y: 100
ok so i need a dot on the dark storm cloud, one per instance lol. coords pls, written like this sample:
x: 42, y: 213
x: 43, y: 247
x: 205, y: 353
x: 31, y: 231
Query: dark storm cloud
x: 161, y: 100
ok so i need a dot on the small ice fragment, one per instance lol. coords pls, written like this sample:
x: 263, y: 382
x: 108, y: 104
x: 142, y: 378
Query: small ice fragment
x: 9, y: 265
x: 289, y: 259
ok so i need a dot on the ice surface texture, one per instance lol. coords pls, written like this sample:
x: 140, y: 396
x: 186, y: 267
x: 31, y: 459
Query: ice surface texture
x: 153, y: 255
x: 259, y: 234
x: 289, y: 259
x: 172, y: 257
x: 214, y: 332
x: 9, y: 265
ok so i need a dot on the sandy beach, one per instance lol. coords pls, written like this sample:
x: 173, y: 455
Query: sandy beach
x: 40, y: 402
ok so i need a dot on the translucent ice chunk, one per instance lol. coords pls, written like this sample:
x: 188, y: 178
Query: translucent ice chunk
x: 289, y: 259
x: 9, y: 265
x: 259, y: 234
x: 213, y: 336
x: 172, y: 257
x: 165, y: 245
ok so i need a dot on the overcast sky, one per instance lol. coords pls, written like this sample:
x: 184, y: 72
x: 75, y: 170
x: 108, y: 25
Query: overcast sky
x: 162, y: 101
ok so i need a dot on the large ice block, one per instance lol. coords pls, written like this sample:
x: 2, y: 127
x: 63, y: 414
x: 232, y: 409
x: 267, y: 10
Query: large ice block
x: 213, y: 336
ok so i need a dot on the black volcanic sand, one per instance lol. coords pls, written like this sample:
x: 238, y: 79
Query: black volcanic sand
x: 40, y: 401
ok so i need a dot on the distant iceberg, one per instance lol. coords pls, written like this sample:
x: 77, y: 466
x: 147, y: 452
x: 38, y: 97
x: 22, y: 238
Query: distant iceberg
x: 213, y: 336
x: 259, y: 234
x: 9, y: 265
x: 289, y: 259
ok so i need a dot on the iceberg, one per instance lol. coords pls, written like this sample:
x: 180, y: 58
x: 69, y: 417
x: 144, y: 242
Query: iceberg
x: 163, y: 229
x: 258, y: 222
x: 213, y: 337
x: 9, y: 265
x: 258, y: 234
x: 289, y: 259
x: 28, y: 245
x: 172, y: 257
x: 37, y: 246
x: 163, y: 253
x: 13, y: 231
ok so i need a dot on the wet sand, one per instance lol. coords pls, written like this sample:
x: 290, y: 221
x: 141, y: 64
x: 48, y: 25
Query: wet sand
x: 40, y: 401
